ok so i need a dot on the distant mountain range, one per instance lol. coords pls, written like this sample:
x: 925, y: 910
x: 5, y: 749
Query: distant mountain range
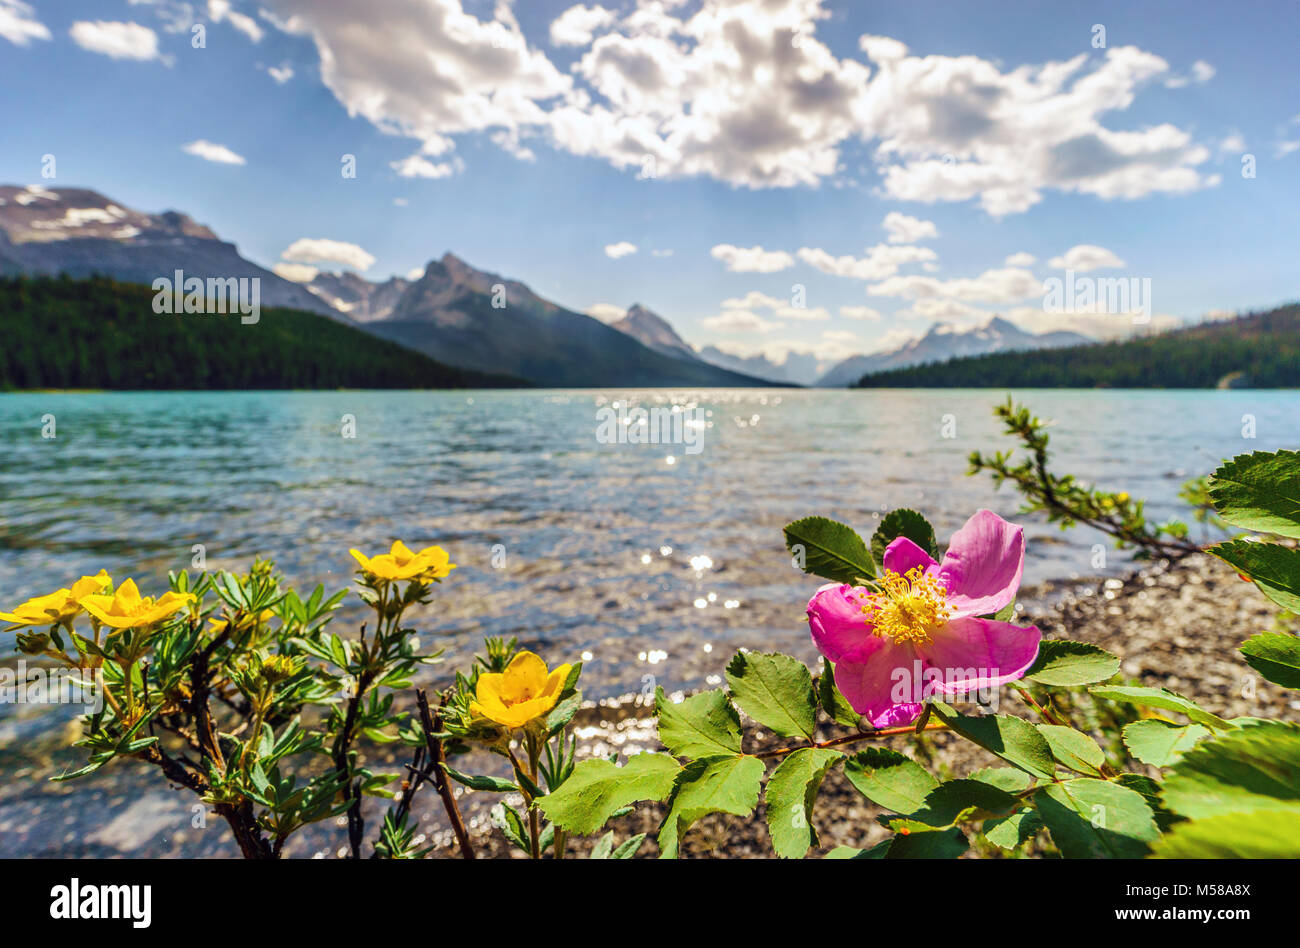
x: 945, y: 341
x: 452, y: 313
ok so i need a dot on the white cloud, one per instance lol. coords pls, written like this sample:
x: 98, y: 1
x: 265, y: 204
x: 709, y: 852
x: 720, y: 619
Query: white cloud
x: 116, y: 40
x: 221, y: 11
x: 907, y: 230
x: 751, y: 259
x: 880, y: 261
x: 606, y: 312
x: 576, y: 26
x: 1201, y: 72
x: 415, y: 273
x: 743, y: 91
x: 778, y: 307
x: 861, y: 312
x: 739, y: 320
x: 1006, y: 285
x: 661, y: 253
x: 1085, y: 257
x: 296, y: 272
x: 620, y: 249
x: 211, y: 151
x: 323, y: 250
x: 18, y: 23
x: 417, y: 166
x: 1021, y: 259
x: 281, y: 74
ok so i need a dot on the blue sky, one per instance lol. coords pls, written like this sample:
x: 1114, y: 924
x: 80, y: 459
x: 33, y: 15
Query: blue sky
x: 518, y: 137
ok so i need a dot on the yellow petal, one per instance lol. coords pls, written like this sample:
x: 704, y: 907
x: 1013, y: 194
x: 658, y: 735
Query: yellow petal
x: 360, y: 558
x: 488, y: 690
x: 401, y: 553
x: 127, y: 596
x: 524, y: 678
x: 555, y: 682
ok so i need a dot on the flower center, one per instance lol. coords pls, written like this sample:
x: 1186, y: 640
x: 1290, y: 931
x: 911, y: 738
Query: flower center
x: 909, y: 606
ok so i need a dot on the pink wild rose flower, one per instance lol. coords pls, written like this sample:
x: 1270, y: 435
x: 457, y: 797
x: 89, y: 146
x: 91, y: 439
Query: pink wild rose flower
x: 920, y: 636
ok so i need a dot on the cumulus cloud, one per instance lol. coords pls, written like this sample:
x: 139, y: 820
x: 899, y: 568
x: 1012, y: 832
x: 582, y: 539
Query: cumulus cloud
x: 744, y: 92
x: 1085, y: 257
x: 751, y: 259
x: 606, y: 312
x: 296, y: 272
x: 621, y: 249
x: 417, y: 166
x: 1021, y: 259
x: 281, y: 74
x: 778, y: 307
x: 1005, y: 285
x: 323, y: 250
x: 211, y: 151
x: 907, y: 230
x: 116, y: 40
x: 578, y: 25
x: 221, y: 11
x: 18, y: 23
x: 739, y: 320
x: 880, y: 261
x: 861, y: 312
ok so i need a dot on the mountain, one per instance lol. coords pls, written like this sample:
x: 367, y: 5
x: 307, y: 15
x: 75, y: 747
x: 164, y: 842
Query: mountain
x: 1257, y: 350
x: 799, y: 368
x: 478, y: 320
x: 108, y: 336
x: 355, y: 296
x: 652, y: 330
x: 81, y: 232
x: 944, y: 341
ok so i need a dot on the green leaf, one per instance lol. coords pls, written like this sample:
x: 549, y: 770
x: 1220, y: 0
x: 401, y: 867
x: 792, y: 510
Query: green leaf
x: 832, y: 700
x: 494, y: 784
x: 1014, y: 830
x: 1258, y: 834
x: 916, y: 840
x: 560, y: 715
x: 703, y: 725
x: 597, y: 789
x: 1013, y: 739
x: 628, y: 848
x: 963, y: 799
x: 1062, y: 663
x: 1161, y: 743
x: 776, y: 691
x: 604, y: 847
x: 714, y: 785
x: 1091, y: 819
x: 1275, y: 656
x: 1256, y: 767
x: 1160, y: 698
x: 1275, y: 569
x: 829, y: 549
x: 1073, y: 749
x: 889, y: 779
x: 791, y: 793
x: 1260, y: 491
x: 903, y: 523
x: 1005, y: 778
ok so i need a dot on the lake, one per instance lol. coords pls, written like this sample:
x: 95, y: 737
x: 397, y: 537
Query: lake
x: 650, y: 561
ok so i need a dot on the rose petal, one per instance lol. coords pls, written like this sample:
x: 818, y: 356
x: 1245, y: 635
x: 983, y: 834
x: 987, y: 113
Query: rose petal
x: 982, y: 567
x: 978, y: 653
x: 902, y: 554
x: 873, y: 686
x: 839, y: 628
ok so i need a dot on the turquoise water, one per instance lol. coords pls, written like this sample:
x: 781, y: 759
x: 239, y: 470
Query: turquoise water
x: 656, y: 569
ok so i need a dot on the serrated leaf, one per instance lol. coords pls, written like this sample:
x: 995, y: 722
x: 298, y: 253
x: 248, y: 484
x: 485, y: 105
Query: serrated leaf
x: 1252, y: 768
x: 703, y: 725
x: 915, y: 840
x: 903, y: 523
x: 714, y: 785
x: 1013, y: 739
x: 1275, y: 569
x: 776, y: 691
x: 1091, y: 819
x: 598, y: 788
x: 832, y: 700
x: 1004, y: 778
x: 1161, y: 698
x: 1062, y: 663
x: 890, y: 779
x: 1260, y: 491
x: 1161, y: 743
x: 829, y: 549
x: 791, y: 792
x: 1275, y: 656
x: 1073, y: 749
x: 1015, y: 830
x: 963, y: 799
x: 1258, y: 834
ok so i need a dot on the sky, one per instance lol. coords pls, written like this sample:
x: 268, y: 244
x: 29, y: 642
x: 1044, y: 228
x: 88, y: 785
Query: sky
x: 769, y: 175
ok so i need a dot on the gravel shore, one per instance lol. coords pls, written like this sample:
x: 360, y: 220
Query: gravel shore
x: 1175, y: 628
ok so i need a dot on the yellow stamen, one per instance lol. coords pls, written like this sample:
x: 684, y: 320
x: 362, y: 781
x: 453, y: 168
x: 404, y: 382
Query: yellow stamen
x: 909, y: 606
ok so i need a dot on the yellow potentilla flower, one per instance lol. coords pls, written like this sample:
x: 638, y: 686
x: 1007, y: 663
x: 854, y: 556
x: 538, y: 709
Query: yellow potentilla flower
x: 400, y: 563
x: 524, y: 691
x: 61, y: 605
x: 127, y: 609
